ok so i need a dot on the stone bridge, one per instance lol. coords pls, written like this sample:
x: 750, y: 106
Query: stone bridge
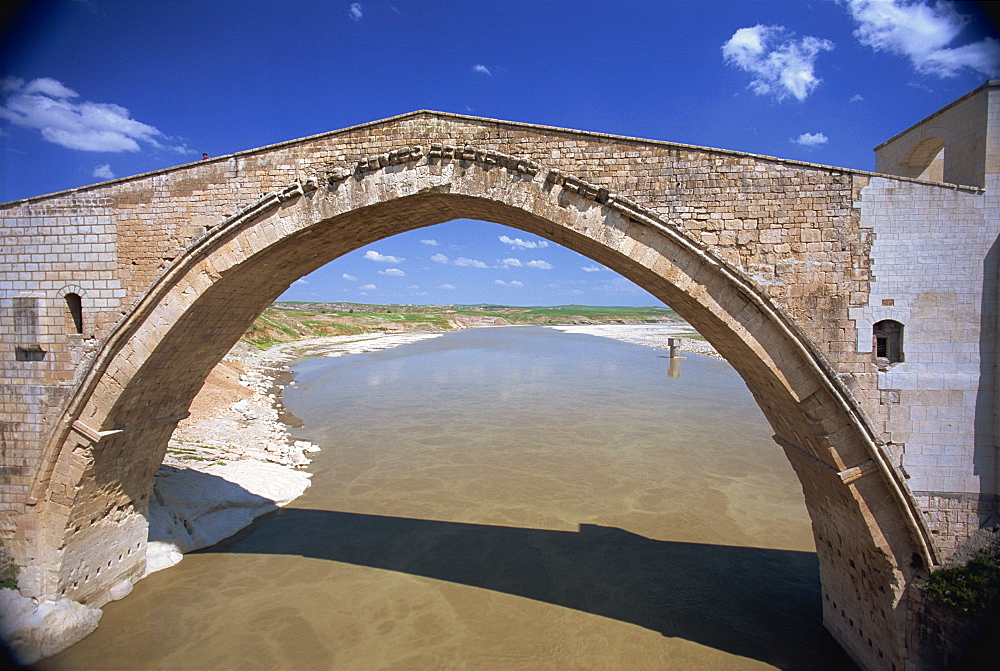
x: 859, y: 308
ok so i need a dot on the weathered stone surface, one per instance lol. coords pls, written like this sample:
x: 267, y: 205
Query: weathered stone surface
x: 34, y: 631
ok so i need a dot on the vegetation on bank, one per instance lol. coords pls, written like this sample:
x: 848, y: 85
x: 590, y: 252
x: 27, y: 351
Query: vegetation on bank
x: 8, y: 569
x: 969, y: 589
x: 286, y: 322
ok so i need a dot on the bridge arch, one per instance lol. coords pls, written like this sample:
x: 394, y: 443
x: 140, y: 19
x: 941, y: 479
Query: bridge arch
x: 92, y: 491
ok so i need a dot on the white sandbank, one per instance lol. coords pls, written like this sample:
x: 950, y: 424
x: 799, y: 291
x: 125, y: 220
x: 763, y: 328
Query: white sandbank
x: 650, y: 335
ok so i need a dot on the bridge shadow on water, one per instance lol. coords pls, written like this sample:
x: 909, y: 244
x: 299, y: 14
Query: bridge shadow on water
x: 757, y: 603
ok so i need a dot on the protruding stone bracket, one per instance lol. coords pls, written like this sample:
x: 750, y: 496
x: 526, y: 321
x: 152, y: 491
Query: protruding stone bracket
x: 296, y: 189
x: 849, y: 475
x: 93, y: 436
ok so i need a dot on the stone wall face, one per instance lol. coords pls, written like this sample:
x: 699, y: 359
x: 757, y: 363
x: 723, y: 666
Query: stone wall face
x: 793, y: 229
x: 49, y: 249
x: 935, y: 274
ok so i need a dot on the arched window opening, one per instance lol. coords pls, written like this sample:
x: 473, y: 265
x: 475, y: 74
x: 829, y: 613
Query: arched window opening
x: 888, y: 342
x: 74, y: 313
x: 925, y: 161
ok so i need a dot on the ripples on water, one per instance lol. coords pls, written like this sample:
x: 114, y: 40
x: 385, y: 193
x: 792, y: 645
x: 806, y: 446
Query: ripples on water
x: 504, y: 498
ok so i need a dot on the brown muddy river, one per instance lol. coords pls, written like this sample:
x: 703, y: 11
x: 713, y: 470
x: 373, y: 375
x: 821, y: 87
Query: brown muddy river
x: 512, y: 498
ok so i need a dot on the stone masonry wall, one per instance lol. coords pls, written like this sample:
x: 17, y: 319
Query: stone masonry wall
x: 934, y: 271
x: 48, y: 249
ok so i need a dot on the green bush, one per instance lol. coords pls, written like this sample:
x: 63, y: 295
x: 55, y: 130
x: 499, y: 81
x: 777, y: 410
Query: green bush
x: 971, y: 589
x: 8, y: 570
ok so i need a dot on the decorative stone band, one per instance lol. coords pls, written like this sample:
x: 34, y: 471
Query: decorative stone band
x: 436, y: 151
x: 267, y: 202
x: 490, y: 157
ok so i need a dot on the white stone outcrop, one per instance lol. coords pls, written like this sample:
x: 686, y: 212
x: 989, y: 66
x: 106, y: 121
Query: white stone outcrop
x: 193, y: 509
x: 34, y: 630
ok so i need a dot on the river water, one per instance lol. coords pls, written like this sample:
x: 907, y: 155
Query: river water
x: 503, y: 498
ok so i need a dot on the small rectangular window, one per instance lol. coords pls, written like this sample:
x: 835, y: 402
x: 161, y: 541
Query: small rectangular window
x: 887, y: 336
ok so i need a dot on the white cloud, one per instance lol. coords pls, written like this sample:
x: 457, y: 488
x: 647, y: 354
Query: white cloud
x: 47, y: 105
x: 856, y: 98
x: 368, y: 287
x: 447, y: 286
x: 372, y: 255
x: 518, y: 243
x: 349, y: 278
x: 355, y: 11
x: 301, y: 280
x: 781, y: 64
x: 52, y: 88
x: 432, y: 242
x: 517, y: 263
x: 922, y: 33
x: 103, y: 171
x: 395, y: 272
x: 512, y: 283
x: 470, y: 263
x: 460, y: 261
x: 481, y: 69
x: 811, y: 139
x: 590, y: 269
x: 413, y: 286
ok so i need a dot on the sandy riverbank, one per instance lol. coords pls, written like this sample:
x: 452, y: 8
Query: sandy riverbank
x: 650, y: 335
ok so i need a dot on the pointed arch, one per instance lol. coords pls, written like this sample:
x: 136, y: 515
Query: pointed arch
x: 98, y: 469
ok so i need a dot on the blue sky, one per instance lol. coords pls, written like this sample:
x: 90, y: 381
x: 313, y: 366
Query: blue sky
x: 97, y: 89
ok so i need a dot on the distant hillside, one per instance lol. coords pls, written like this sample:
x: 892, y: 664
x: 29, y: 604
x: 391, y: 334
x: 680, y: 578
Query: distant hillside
x: 285, y: 322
